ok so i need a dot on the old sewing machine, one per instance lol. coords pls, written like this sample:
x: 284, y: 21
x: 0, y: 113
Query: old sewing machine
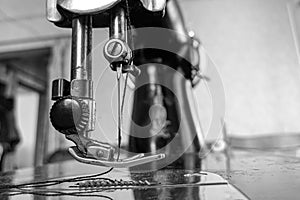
x: 152, y: 52
x: 151, y: 48
x: 149, y: 43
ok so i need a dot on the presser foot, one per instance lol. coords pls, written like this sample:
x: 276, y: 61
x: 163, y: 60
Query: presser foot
x: 103, y: 154
x: 116, y: 163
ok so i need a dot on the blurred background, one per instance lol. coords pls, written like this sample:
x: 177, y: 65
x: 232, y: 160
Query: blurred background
x: 254, y: 45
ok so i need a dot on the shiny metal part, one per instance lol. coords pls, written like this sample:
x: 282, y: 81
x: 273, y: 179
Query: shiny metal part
x: 122, y: 163
x: 100, y: 151
x: 118, y: 24
x: 81, y: 66
x: 92, y: 116
x: 51, y: 11
x: 87, y: 6
x: 96, y: 6
x: 81, y: 48
x: 154, y: 5
x: 102, y: 154
x: 82, y: 88
x: 116, y: 50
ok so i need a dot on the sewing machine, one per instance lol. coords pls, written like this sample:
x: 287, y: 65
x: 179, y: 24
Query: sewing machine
x: 150, y: 46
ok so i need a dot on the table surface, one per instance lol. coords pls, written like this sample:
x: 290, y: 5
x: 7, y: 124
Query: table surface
x: 259, y: 175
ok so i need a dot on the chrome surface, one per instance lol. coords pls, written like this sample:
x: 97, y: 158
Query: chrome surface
x: 122, y: 163
x: 96, y: 6
x: 81, y: 66
x: 87, y: 6
x: 82, y: 88
x: 81, y: 48
x: 118, y: 24
x: 154, y: 5
x: 51, y: 11
x: 116, y: 50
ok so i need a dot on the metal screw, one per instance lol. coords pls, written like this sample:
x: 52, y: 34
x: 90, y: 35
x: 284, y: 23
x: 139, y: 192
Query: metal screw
x: 114, y: 48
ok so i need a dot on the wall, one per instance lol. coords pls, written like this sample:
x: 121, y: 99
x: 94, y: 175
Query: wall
x: 252, y: 45
x: 26, y: 121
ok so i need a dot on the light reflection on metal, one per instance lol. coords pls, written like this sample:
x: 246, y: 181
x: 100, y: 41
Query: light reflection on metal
x: 52, y: 13
x: 87, y: 6
x: 154, y: 5
x: 81, y: 69
x: 138, y: 159
x: 93, y: 6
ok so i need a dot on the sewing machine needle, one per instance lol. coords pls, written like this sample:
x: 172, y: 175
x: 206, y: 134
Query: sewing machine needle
x: 119, y: 73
